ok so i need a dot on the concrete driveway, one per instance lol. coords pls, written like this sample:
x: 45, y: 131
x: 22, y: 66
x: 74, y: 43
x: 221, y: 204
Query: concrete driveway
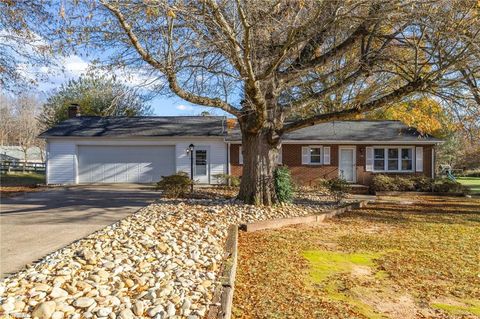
x: 35, y: 224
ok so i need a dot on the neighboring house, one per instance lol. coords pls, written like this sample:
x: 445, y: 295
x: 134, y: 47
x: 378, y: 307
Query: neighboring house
x: 15, y: 154
x: 142, y: 149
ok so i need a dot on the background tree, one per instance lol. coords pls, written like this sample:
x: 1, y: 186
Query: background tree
x: 21, y: 126
x: 6, y: 123
x: 427, y: 115
x: 96, y: 95
x: 263, y: 61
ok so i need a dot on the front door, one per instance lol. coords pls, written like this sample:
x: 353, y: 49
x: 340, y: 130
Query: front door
x: 201, y: 167
x: 347, y: 164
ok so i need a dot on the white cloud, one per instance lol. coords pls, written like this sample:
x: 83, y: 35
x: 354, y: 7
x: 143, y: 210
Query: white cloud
x: 182, y: 107
x: 75, y: 65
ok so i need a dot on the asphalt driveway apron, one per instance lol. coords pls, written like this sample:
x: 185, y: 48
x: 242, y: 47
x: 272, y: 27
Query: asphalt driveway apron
x: 35, y: 224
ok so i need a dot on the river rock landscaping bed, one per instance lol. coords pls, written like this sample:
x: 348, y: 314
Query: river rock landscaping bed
x: 161, y: 262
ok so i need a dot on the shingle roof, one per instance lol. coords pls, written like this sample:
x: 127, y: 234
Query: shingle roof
x: 356, y: 131
x: 90, y: 126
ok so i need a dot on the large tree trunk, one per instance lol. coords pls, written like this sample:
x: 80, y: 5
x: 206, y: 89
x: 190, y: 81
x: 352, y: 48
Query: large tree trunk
x: 259, y: 160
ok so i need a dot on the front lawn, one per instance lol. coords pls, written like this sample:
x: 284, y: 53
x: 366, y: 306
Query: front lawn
x: 22, y: 179
x: 15, y: 183
x: 417, y: 258
x: 473, y: 183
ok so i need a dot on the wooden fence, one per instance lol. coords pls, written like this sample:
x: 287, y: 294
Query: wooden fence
x: 12, y: 167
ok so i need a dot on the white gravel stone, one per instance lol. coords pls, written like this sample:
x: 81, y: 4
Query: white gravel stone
x: 44, y: 310
x: 103, y: 312
x: 58, y: 292
x: 58, y: 315
x: 83, y: 302
x: 126, y: 314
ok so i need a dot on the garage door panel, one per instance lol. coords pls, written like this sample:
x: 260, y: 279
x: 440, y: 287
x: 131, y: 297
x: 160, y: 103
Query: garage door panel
x: 125, y: 164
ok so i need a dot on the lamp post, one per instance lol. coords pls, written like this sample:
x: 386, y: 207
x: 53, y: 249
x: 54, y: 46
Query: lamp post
x: 190, y: 150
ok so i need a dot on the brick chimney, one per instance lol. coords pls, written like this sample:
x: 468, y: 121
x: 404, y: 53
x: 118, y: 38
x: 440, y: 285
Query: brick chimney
x: 73, y: 110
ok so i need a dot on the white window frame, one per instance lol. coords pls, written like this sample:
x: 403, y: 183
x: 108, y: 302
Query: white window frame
x: 310, y: 147
x: 399, y: 159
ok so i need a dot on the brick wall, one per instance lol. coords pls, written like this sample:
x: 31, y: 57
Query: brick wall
x: 310, y: 174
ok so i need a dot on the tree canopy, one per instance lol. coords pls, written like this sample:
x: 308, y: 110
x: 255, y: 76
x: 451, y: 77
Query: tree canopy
x: 96, y: 95
x: 27, y: 29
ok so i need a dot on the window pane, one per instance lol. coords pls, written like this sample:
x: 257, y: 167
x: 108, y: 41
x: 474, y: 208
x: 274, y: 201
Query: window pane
x: 200, y: 162
x: 407, y: 165
x: 393, y: 165
x: 315, y: 153
x: 378, y: 165
x: 393, y: 153
x: 407, y: 153
x: 379, y: 153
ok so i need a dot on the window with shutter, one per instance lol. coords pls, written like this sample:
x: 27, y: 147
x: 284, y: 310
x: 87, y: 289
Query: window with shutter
x: 389, y: 159
x: 312, y: 155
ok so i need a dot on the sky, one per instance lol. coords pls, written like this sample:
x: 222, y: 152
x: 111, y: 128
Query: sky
x: 74, y: 66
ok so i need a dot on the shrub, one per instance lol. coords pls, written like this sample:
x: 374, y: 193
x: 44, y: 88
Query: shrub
x: 471, y: 173
x: 445, y: 185
x: 405, y: 184
x: 283, y: 184
x: 383, y: 183
x: 321, y: 186
x: 227, y: 179
x: 176, y: 185
x: 423, y: 183
x: 338, y: 188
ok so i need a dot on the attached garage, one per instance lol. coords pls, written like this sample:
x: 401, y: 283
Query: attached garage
x: 124, y: 164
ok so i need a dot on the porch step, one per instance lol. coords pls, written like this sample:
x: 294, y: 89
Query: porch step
x: 359, y: 189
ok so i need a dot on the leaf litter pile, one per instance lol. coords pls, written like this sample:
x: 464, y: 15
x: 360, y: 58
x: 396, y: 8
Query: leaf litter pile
x: 407, y: 259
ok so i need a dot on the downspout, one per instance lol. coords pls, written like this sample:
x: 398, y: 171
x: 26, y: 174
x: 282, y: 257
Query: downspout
x: 433, y: 161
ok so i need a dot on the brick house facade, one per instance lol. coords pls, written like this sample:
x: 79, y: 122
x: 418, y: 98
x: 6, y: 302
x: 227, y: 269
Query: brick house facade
x: 397, y: 150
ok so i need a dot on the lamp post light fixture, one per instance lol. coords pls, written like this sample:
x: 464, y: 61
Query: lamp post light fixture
x: 190, y: 150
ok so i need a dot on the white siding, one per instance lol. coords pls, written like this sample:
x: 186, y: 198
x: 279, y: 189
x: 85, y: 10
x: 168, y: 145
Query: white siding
x: 61, y: 162
x: 217, y: 157
x: 62, y: 155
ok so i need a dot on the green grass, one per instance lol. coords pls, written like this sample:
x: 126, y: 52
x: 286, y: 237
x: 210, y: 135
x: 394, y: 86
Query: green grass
x: 473, y: 183
x: 22, y: 179
x: 470, y: 306
x: 327, y: 263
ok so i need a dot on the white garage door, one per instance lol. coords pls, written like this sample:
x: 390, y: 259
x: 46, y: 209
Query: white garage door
x: 125, y: 164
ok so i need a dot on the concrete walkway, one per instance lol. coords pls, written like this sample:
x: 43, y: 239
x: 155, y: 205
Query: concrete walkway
x: 35, y: 224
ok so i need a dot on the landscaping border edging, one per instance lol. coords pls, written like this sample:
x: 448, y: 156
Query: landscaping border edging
x: 221, y: 307
x: 282, y: 222
x: 397, y: 193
